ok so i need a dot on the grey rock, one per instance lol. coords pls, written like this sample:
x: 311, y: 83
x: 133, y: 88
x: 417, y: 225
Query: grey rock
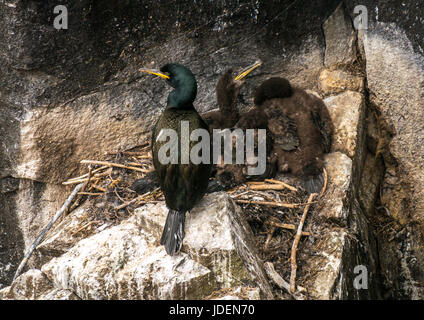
x: 339, y: 169
x: 29, y: 286
x: 59, y: 294
x: 347, y: 112
x: 65, y: 96
x: 68, y: 95
x: 127, y: 262
x: 337, y: 81
x: 395, y: 72
x: 340, y: 39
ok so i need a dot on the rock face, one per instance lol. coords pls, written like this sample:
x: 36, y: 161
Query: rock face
x: 74, y: 94
x: 395, y: 76
x: 34, y: 285
x: 336, y: 81
x: 68, y: 95
x: 346, y: 110
x: 127, y: 262
x: 340, y: 39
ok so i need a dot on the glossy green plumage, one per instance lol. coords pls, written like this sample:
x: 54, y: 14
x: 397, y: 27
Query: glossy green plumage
x: 184, y: 84
x: 182, y: 184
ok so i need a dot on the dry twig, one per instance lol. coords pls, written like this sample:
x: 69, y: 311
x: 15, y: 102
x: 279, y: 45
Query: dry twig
x: 279, y: 281
x: 325, y: 184
x: 112, y: 164
x: 83, y: 179
x: 268, y: 238
x: 47, y: 228
x: 282, y: 183
x: 296, y: 242
x: 85, y: 226
x: 95, y: 186
x: 273, y: 186
x: 269, y: 203
x: 286, y: 226
x: 86, y: 175
x: 83, y: 193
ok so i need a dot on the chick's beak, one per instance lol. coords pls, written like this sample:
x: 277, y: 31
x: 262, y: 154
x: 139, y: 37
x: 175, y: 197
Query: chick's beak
x: 155, y: 72
x: 248, y: 70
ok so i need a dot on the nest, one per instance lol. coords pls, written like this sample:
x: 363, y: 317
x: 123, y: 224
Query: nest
x: 108, y: 187
x: 275, y: 210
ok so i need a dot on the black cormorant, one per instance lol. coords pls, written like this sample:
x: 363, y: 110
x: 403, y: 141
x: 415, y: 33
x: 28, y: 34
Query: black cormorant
x: 183, y: 184
x: 301, y: 130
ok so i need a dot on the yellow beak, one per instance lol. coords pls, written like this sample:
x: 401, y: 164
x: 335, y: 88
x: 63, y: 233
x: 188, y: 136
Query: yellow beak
x: 248, y: 70
x: 155, y: 72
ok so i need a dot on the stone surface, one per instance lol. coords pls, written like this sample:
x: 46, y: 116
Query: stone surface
x: 346, y: 111
x: 123, y: 263
x: 329, y: 263
x: 63, y: 236
x: 29, y: 286
x: 59, y: 294
x: 66, y: 95
x: 70, y: 95
x: 337, y: 81
x: 395, y: 73
x: 394, y: 77
x: 340, y: 39
x: 89, y: 126
x: 346, y: 244
x: 339, y: 170
x: 237, y: 293
x: 127, y: 262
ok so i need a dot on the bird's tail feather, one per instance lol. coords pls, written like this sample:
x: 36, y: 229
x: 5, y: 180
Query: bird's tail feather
x: 173, y: 232
x: 314, y: 184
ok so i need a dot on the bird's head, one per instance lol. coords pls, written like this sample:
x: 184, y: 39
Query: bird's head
x: 229, y: 84
x: 182, y: 80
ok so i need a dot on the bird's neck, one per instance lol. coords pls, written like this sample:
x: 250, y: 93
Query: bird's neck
x: 182, y: 97
x: 227, y: 100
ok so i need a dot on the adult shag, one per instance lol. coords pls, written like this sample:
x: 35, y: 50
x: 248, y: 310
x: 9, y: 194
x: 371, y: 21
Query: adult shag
x: 227, y: 91
x: 183, y: 184
x: 301, y: 130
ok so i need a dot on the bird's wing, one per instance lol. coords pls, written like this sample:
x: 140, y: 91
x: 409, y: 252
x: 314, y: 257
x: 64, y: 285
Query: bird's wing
x: 284, y: 130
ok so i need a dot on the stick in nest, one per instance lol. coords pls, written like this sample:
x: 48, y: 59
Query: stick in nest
x: 82, y: 193
x: 86, y: 175
x: 112, y: 164
x: 47, y: 228
x: 85, y: 226
x: 83, y: 178
x: 279, y: 281
x: 325, y: 184
x: 282, y: 183
x: 286, y: 226
x: 273, y: 186
x: 268, y: 238
x: 296, y: 242
x: 269, y: 203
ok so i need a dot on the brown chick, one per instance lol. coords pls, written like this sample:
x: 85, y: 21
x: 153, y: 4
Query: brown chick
x: 301, y: 129
x: 227, y: 91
